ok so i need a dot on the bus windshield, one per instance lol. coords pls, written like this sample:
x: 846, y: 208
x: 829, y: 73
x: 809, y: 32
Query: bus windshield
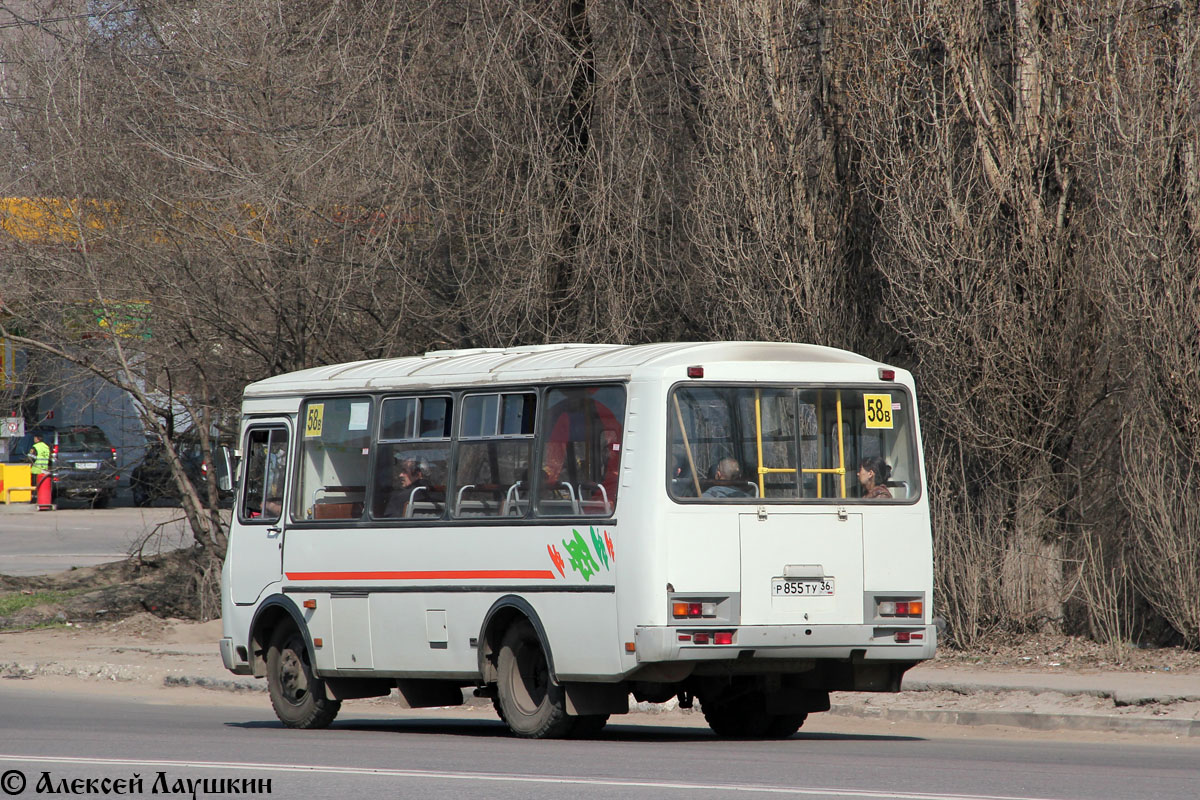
x: 754, y: 443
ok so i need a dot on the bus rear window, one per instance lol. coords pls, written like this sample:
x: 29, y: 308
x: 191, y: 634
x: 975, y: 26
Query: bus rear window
x: 735, y: 443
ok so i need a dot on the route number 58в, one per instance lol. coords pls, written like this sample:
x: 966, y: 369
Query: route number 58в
x: 878, y: 408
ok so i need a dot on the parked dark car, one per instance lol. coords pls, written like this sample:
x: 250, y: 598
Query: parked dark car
x: 151, y: 478
x: 82, y: 461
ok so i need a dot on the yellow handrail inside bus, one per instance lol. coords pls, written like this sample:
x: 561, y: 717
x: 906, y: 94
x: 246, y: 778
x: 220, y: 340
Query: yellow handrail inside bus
x: 840, y: 469
x: 762, y: 489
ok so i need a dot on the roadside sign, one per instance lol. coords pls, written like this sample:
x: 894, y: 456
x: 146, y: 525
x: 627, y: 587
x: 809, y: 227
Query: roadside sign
x: 14, y: 427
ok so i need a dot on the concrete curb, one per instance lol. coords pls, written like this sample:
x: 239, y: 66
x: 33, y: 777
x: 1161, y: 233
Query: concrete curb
x: 1120, y: 699
x: 1028, y: 719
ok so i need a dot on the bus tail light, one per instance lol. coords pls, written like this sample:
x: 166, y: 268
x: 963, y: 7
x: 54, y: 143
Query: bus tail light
x: 690, y: 609
x: 900, y: 608
x: 699, y: 638
x: 723, y: 637
x: 903, y: 636
x: 887, y: 374
x: 695, y: 372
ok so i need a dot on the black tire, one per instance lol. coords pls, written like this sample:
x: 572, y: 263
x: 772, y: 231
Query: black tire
x: 529, y: 701
x: 588, y: 725
x: 782, y: 726
x: 141, y: 497
x: 738, y: 720
x: 297, y: 695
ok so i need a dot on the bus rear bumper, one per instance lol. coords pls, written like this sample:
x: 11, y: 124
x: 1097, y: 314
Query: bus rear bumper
x: 757, y: 643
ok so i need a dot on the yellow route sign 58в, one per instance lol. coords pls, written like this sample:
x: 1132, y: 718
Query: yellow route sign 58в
x: 878, y: 408
x: 316, y: 418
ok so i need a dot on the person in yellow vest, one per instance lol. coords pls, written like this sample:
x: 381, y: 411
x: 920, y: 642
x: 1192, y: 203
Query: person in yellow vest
x: 40, y: 455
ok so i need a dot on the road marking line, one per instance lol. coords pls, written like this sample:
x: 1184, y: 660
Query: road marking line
x: 496, y: 777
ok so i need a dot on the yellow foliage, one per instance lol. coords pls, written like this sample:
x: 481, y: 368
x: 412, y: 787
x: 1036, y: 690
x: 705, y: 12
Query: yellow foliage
x: 52, y: 219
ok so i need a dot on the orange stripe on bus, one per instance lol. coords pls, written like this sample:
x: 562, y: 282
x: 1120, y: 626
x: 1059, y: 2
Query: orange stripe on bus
x: 423, y: 575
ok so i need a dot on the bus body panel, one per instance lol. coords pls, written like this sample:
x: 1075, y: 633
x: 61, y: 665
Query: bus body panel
x: 389, y: 606
x: 898, y: 553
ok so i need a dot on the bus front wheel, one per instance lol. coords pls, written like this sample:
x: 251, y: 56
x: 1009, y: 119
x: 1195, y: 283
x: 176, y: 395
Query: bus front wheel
x: 297, y: 695
x: 528, y: 700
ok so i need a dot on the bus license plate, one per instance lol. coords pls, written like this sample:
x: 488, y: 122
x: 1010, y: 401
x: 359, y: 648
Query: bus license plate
x: 792, y: 587
x: 87, y: 465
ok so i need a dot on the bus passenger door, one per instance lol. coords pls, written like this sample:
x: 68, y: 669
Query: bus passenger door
x: 256, y: 546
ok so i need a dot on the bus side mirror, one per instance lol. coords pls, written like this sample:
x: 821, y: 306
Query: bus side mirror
x: 226, y: 467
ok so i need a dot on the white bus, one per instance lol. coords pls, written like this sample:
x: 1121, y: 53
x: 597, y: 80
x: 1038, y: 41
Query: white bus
x: 566, y: 527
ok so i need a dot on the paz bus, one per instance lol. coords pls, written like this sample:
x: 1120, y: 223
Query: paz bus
x: 563, y: 528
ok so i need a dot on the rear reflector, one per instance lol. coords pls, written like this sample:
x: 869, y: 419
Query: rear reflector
x: 699, y: 638
x: 902, y: 636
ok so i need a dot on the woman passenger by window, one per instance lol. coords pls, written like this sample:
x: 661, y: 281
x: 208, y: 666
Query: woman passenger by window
x: 873, y: 474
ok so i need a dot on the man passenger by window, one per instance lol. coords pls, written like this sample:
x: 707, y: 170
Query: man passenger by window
x: 727, y: 470
x: 410, y: 476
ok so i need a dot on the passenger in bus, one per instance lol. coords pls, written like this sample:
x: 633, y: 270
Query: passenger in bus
x: 682, y: 480
x: 873, y: 474
x: 569, y: 455
x: 410, y: 476
x: 727, y: 469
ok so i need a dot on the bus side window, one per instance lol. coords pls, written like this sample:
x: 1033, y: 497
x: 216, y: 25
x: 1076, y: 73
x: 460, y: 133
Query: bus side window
x: 495, y: 449
x: 414, y: 451
x: 335, y: 451
x: 581, y: 451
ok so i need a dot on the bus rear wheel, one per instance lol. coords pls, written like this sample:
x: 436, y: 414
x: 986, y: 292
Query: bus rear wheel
x: 529, y: 701
x: 782, y: 726
x: 297, y: 695
x: 736, y: 720
x: 749, y: 720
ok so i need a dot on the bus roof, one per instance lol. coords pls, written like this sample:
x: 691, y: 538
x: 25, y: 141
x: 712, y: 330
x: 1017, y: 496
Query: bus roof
x: 537, y: 363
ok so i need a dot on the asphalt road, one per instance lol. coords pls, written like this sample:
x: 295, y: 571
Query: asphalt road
x: 365, y: 755
x: 75, y: 535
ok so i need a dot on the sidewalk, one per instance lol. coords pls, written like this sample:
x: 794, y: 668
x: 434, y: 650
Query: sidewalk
x: 151, y: 653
